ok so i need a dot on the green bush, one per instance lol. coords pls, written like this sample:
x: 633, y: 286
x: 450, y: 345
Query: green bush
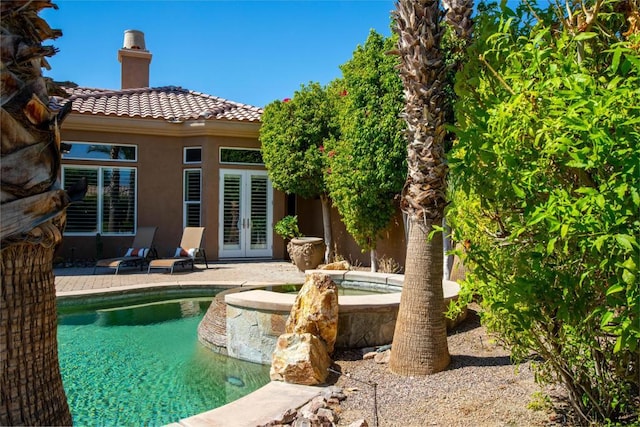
x: 548, y: 172
x: 287, y: 227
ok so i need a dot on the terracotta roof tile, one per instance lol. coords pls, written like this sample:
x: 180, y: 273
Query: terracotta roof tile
x: 167, y: 103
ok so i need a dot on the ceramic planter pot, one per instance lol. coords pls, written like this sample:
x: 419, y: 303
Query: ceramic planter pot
x: 306, y: 252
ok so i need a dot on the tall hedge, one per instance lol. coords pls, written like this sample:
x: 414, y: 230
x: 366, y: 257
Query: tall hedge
x: 547, y: 167
x: 367, y: 162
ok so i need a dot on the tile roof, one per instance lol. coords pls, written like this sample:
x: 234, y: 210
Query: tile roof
x: 167, y: 103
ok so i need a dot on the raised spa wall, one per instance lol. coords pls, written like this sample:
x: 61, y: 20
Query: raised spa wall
x: 256, y: 318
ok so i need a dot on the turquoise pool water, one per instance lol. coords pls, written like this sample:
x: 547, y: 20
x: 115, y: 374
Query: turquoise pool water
x: 143, y: 365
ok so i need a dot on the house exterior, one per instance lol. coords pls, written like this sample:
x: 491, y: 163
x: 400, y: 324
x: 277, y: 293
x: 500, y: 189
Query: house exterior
x: 171, y: 157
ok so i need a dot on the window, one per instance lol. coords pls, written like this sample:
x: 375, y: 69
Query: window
x: 97, y: 151
x: 241, y: 156
x: 108, y: 207
x: 192, y: 154
x: 192, y: 197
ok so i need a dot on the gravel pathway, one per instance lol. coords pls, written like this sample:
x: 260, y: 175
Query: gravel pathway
x: 481, y: 387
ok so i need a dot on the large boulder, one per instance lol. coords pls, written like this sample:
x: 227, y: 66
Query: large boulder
x: 315, y: 310
x: 300, y: 359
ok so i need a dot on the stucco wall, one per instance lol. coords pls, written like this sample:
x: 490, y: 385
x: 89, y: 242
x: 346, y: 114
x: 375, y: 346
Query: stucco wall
x: 160, y: 189
x: 391, y: 245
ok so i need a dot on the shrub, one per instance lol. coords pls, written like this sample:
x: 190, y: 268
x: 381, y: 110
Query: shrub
x: 287, y: 227
x: 549, y: 129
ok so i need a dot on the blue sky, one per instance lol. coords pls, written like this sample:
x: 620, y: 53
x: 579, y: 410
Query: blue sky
x: 246, y: 51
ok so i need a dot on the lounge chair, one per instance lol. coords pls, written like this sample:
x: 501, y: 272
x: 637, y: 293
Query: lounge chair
x: 140, y: 252
x: 187, y: 253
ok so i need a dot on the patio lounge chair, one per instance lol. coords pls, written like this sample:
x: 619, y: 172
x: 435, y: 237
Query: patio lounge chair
x: 140, y: 252
x: 189, y: 250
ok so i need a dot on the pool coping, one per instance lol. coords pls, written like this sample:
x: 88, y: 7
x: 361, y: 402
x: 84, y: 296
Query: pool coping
x: 149, y: 287
x: 257, y: 408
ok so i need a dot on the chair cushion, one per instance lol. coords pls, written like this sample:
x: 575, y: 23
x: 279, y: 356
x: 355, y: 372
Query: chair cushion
x: 181, y: 252
x: 140, y: 252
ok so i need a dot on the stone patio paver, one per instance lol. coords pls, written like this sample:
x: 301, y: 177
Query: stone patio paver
x: 269, y: 272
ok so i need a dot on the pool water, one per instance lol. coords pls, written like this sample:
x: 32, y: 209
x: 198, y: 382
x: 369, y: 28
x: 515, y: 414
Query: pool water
x: 143, y: 365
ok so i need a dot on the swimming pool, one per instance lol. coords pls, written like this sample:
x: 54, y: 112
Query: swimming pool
x: 143, y: 365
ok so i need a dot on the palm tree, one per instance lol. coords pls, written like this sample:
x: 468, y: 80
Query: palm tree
x: 420, y: 338
x: 32, y: 219
x: 458, y: 16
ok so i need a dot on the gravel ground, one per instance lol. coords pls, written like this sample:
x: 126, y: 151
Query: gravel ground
x: 481, y: 387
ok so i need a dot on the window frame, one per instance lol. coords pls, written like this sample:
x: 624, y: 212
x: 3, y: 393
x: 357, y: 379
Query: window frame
x: 238, y: 149
x: 68, y: 157
x: 100, y: 199
x: 184, y: 155
x: 186, y: 202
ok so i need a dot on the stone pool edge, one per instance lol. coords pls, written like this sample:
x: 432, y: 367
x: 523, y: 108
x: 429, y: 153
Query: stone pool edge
x: 272, y: 399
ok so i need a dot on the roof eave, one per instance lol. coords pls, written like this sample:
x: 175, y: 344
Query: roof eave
x: 144, y: 126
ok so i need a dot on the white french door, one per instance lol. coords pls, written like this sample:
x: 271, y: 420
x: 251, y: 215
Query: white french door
x: 246, y: 212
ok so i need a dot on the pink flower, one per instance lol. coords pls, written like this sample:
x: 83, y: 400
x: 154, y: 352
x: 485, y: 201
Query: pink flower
x: 332, y: 153
x: 344, y: 93
x: 286, y: 100
x: 321, y: 148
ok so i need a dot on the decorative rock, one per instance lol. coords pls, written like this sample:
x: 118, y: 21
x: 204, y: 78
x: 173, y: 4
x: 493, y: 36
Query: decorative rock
x: 326, y: 415
x: 359, y: 423
x: 370, y: 355
x: 303, y: 422
x: 287, y: 416
x: 300, y: 359
x: 333, y: 403
x: 334, y: 392
x: 313, y: 406
x: 382, y: 357
x: 322, y: 411
x: 315, y: 310
x: 338, y: 265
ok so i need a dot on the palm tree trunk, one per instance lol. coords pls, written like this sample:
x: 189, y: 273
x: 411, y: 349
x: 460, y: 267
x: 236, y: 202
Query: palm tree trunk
x: 32, y: 217
x: 421, y: 331
x: 420, y: 339
x: 31, y: 391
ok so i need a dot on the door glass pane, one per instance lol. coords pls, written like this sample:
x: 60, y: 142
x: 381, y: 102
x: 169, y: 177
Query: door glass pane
x: 231, y: 212
x: 258, y: 212
x: 82, y: 216
x: 118, y: 206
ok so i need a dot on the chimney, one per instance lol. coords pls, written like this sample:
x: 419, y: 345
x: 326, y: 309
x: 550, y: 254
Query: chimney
x: 135, y: 60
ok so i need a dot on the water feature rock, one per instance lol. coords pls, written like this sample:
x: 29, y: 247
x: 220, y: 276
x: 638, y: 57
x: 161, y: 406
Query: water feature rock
x: 338, y: 265
x: 315, y: 309
x: 300, y: 359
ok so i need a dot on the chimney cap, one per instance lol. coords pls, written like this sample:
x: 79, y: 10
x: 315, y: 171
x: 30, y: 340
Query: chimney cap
x: 134, y: 39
